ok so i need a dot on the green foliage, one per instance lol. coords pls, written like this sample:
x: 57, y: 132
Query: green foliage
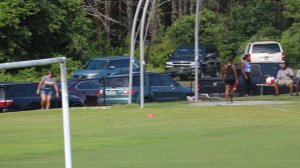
x: 25, y: 75
x: 159, y: 53
x: 40, y: 29
x: 34, y: 74
x: 291, y: 42
x: 71, y: 66
x: 292, y: 9
x: 182, y: 31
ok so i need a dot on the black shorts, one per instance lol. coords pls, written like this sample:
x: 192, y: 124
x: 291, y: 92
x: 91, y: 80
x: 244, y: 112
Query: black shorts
x: 229, y: 81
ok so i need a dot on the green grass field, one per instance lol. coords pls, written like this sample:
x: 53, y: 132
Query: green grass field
x: 179, y: 136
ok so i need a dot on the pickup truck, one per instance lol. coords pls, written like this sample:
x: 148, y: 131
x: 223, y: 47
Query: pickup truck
x: 259, y: 72
x: 182, y: 62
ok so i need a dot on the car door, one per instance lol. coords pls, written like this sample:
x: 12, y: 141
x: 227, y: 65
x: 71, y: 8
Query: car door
x: 164, y: 88
x: 25, y: 97
x: 88, y: 91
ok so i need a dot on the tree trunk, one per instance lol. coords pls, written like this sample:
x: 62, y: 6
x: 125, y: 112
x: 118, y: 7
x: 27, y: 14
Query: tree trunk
x: 180, y: 8
x: 129, y: 12
x: 192, y: 6
x: 107, y: 21
x: 174, y: 11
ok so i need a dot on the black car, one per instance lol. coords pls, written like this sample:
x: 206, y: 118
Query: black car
x: 182, y: 62
x: 22, y: 96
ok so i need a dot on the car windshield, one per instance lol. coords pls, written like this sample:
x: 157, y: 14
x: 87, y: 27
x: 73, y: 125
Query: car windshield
x: 266, y: 48
x: 270, y: 69
x: 188, y: 52
x: 120, y: 81
x: 96, y: 64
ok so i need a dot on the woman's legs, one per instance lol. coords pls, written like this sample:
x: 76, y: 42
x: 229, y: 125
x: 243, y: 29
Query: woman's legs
x: 48, y: 101
x: 227, y: 92
x: 43, y: 101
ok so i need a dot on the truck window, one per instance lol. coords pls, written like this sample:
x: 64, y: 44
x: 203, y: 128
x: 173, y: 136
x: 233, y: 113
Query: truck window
x: 96, y: 64
x: 266, y: 48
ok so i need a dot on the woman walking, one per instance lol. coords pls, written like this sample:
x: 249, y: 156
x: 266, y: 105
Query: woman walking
x: 45, y: 89
x: 230, y: 78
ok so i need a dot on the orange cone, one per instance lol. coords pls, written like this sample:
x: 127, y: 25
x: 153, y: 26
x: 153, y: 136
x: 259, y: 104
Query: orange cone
x: 150, y: 115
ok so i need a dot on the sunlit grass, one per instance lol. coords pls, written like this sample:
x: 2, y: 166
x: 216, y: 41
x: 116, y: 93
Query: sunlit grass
x: 179, y: 135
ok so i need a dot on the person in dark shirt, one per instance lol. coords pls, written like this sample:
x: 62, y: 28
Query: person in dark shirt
x: 45, y: 89
x: 230, y: 79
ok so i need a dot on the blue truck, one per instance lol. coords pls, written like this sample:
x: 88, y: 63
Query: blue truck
x: 98, y: 68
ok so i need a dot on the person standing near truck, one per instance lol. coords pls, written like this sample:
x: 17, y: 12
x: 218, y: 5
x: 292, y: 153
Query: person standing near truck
x: 230, y: 78
x: 246, y: 71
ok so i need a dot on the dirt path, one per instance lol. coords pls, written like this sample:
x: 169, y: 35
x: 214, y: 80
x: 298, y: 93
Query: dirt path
x: 237, y: 103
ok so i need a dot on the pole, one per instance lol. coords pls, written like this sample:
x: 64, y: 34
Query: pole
x: 66, y: 116
x: 142, y: 54
x: 132, y: 48
x: 197, y: 50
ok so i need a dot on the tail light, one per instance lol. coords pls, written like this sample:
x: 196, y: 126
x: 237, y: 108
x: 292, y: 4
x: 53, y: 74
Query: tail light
x: 99, y: 92
x: 127, y: 91
x: 5, y: 103
x: 282, y: 56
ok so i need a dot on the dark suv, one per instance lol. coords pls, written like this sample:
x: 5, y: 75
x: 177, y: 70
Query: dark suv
x: 98, y: 68
x: 182, y: 62
x: 22, y: 96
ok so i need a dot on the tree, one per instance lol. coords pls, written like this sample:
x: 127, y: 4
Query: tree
x: 42, y: 29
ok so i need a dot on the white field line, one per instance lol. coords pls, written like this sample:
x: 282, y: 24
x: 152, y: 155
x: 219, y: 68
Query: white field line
x: 282, y: 109
x: 156, y: 161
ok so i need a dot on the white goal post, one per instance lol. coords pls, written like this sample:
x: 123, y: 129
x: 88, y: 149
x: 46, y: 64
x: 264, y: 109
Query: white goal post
x: 65, y: 97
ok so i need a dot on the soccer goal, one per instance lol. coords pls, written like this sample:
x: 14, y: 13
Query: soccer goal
x: 64, y: 90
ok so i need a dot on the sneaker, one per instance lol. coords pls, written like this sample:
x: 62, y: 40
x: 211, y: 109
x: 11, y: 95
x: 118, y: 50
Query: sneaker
x: 291, y: 94
x: 276, y: 94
